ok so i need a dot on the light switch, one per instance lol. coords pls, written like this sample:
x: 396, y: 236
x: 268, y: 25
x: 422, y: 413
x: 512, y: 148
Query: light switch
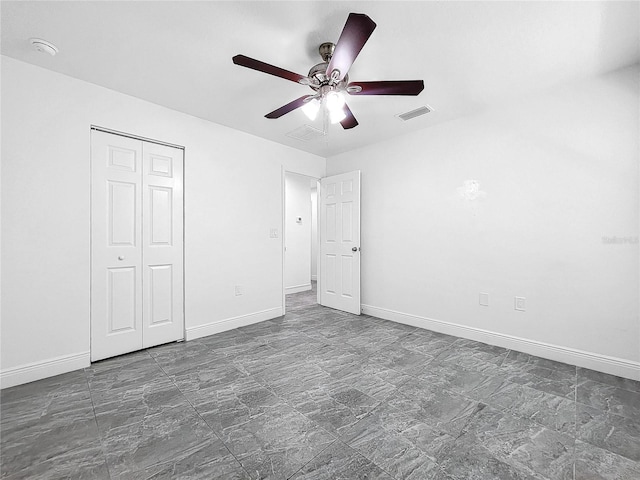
x: 484, y: 299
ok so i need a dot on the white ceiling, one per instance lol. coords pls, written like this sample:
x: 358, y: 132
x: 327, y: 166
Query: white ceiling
x: 470, y: 54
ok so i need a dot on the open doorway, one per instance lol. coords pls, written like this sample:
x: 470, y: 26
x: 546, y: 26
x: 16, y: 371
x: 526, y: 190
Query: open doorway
x: 300, y: 240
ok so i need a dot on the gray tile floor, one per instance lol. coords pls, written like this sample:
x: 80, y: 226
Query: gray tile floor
x: 320, y: 394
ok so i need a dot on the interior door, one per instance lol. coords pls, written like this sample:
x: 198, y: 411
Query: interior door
x: 136, y: 244
x: 339, y: 283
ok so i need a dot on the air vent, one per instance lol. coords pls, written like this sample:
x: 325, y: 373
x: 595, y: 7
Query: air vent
x: 414, y: 113
x: 305, y: 133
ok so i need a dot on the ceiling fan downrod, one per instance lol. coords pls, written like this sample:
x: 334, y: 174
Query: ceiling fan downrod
x: 326, y: 50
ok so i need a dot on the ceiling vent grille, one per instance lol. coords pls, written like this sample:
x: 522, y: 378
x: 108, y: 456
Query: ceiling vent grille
x: 415, y: 113
x: 305, y: 133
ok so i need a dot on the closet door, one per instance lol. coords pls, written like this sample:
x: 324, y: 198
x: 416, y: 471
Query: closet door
x: 136, y: 244
x: 162, y: 255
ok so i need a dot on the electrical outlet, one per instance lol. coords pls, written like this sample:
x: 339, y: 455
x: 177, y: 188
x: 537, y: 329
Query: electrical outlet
x: 484, y: 299
x: 520, y: 304
x: 239, y: 290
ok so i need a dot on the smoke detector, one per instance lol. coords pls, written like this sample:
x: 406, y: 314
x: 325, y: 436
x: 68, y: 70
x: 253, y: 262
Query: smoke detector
x: 43, y: 46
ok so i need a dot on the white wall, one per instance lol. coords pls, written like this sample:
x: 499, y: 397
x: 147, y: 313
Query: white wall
x: 297, y: 272
x: 559, y: 172
x: 46, y: 119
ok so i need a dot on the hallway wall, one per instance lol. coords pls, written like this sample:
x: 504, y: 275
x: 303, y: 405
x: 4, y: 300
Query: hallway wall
x: 297, y: 271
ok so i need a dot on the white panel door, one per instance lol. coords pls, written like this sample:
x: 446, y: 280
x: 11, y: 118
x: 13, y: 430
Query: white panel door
x: 136, y: 245
x: 162, y: 251
x: 340, y: 242
x: 116, y: 245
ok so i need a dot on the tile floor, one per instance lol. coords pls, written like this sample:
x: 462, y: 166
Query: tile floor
x: 320, y: 394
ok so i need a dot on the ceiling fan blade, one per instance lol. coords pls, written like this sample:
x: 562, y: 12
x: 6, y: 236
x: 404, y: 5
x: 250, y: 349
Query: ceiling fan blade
x: 399, y: 87
x: 355, y: 34
x: 254, y: 64
x: 283, y: 110
x: 349, y: 121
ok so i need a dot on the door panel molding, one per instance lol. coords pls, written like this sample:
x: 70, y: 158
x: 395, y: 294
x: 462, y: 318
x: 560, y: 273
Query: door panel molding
x: 121, y: 304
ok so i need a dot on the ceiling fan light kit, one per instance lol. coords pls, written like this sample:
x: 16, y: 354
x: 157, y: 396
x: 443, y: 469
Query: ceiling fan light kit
x: 329, y: 79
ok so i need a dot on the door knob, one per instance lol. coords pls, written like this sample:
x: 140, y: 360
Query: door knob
x: 354, y: 249
x: 121, y: 257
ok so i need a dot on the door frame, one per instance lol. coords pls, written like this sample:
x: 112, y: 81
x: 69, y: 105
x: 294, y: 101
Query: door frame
x: 184, y: 158
x: 283, y: 244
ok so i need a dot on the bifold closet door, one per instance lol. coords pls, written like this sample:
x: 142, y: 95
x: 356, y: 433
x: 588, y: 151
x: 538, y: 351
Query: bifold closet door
x: 136, y: 244
x: 162, y: 250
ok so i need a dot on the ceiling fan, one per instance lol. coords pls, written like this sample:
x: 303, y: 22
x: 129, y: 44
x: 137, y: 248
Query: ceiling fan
x: 329, y: 79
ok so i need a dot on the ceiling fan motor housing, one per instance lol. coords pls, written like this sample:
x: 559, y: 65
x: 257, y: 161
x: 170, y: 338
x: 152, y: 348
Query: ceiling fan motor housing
x: 318, y: 73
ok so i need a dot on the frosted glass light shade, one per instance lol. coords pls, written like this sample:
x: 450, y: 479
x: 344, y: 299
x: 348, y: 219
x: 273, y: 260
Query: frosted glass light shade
x: 334, y: 101
x: 336, y: 116
x: 311, y: 109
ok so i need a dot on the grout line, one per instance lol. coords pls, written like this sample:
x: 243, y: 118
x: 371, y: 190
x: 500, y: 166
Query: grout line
x: 505, y: 358
x: 355, y: 449
x: 313, y: 458
x: 95, y: 419
x: 201, y: 418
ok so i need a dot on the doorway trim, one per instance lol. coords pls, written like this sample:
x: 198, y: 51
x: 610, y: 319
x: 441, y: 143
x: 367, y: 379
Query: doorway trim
x: 136, y: 137
x: 283, y: 243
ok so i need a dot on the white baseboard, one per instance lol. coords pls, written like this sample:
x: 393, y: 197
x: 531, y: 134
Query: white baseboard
x: 39, y: 370
x: 297, y: 288
x: 68, y: 363
x: 594, y: 361
x: 230, y: 323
